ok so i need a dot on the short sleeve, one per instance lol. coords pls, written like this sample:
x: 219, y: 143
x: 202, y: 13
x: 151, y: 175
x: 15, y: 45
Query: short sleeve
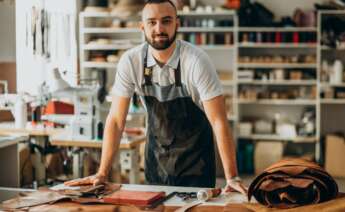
x: 205, y: 78
x: 124, y: 83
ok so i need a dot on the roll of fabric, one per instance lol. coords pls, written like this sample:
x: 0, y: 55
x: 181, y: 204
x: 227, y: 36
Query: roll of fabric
x: 291, y: 183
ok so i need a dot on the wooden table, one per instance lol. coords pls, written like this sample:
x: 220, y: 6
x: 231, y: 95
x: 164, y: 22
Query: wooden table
x: 38, y: 135
x: 236, y: 200
x: 9, y: 160
x: 227, y: 203
x: 128, y: 157
x: 39, y: 131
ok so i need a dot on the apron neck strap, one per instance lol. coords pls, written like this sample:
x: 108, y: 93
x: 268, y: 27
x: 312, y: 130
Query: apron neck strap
x: 148, y: 70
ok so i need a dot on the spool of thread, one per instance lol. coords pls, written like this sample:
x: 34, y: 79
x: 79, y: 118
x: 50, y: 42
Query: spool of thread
x: 207, y: 194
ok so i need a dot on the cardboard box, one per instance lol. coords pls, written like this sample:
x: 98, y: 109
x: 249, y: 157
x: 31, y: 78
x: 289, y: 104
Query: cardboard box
x: 266, y: 153
x: 335, y: 155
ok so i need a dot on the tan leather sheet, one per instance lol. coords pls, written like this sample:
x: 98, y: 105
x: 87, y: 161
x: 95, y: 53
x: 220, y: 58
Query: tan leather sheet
x: 336, y: 205
x: 291, y: 183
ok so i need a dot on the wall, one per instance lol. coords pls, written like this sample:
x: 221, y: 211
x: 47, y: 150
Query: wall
x: 33, y: 70
x: 7, y: 50
x: 7, y: 32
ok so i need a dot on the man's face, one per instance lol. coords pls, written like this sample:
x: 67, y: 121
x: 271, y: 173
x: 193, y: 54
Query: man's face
x: 159, y: 23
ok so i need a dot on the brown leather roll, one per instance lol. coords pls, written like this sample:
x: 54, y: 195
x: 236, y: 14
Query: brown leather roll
x: 291, y: 183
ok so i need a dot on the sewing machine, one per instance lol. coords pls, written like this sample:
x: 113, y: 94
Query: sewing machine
x: 88, y: 119
x: 14, y: 103
x: 90, y: 113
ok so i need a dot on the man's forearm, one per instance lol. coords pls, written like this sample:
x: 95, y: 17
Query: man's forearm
x: 226, y: 149
x: 110, y: 146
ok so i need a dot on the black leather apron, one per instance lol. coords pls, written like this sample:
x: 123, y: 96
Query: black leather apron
x: 180, y: 150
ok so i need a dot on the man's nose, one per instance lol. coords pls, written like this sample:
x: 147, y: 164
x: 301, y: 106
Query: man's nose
x: 159, y: 27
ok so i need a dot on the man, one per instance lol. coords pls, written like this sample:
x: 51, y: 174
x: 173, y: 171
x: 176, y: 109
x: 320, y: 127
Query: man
x: 183, y: 97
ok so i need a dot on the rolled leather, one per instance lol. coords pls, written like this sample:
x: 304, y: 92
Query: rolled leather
x: 291, y: 183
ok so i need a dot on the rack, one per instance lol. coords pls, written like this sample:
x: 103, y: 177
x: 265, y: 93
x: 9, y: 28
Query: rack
x: 331, y: 102
x: 230, y: 46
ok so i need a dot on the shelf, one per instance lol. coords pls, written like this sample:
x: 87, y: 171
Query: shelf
x: 308, y: 139
x: 106, y: 14
x: 110, y: 30
x: 227, y: 82
x: 217, y: 47
x: 332, y: 101
x: 89, y: 64
x: 277, y: 102
x: 96, y: 14
x: 277, y: 65
x: 279, y: 29
x: 212, y: 14
x: 332, y: 85
x: 331, y: 12
x: 205, y: 29
x: 137, y: 30
x: 277, y: 45
x: 180, y: 13
x: 106, y: 47
x: 128, y: 46
x: 278, y: 82
x: 232, y: 118
x: 326, y: 48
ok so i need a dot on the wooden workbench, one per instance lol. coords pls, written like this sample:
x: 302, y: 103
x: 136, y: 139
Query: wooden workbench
x: 128, y: 154
x: 9, y: 127
x: 9, y: 159
x: 231, y: 202
x: 236, y: 199
x: 38, y: 135
x: 130, y: 143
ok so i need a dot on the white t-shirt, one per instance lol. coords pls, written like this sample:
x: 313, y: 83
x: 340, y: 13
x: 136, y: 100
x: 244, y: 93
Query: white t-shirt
x: 198, y: 74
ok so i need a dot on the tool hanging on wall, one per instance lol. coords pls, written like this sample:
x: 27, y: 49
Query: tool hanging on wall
x: 33, y: 27
x: 46, y: 34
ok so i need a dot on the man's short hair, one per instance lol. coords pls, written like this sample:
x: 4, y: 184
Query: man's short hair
x: 160, y: 2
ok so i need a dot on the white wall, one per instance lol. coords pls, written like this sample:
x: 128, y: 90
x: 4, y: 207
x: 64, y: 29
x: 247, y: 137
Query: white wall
x: 33, y: 70
x: 7, y: 32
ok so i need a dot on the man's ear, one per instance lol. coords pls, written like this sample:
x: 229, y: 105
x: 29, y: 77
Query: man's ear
x: 141, y: 26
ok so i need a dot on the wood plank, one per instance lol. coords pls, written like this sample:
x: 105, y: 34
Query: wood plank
x: 130, y: 144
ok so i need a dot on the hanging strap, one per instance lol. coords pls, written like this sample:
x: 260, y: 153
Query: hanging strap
x: 148, y: 71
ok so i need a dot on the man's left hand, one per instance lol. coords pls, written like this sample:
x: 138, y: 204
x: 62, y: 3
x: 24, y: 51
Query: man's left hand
x: 236, y: 186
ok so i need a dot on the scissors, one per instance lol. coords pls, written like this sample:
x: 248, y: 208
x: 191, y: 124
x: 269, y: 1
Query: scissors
x: 186, y: 195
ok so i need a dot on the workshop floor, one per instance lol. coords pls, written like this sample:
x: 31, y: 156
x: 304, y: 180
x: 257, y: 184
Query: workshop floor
x: 220, y: 182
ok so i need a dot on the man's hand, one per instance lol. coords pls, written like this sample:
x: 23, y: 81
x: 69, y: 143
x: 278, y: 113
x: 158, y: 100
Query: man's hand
x: 94, y: 180
x: 238, y: 186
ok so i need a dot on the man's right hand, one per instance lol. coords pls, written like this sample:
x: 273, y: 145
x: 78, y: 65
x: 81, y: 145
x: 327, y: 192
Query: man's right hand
x: 94, y: 180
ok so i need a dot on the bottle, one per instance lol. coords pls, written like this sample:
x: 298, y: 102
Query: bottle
x: 207, y: 194
x: 20, y: 113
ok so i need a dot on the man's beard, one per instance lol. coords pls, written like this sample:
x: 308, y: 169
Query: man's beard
x: 161, y: 45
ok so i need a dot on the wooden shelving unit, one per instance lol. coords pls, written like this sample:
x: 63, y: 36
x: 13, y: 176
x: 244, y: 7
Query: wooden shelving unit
x: 226, y: 55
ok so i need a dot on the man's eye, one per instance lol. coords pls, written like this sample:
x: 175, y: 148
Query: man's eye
x: 151, y: 23
x: 166, y: 22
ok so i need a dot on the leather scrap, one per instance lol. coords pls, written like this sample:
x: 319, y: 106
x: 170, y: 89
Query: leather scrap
x: 33, y: 199
x: 92, y: 191
x: 335, y: 205
x: 291, y: 183
x: 84, y: 195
